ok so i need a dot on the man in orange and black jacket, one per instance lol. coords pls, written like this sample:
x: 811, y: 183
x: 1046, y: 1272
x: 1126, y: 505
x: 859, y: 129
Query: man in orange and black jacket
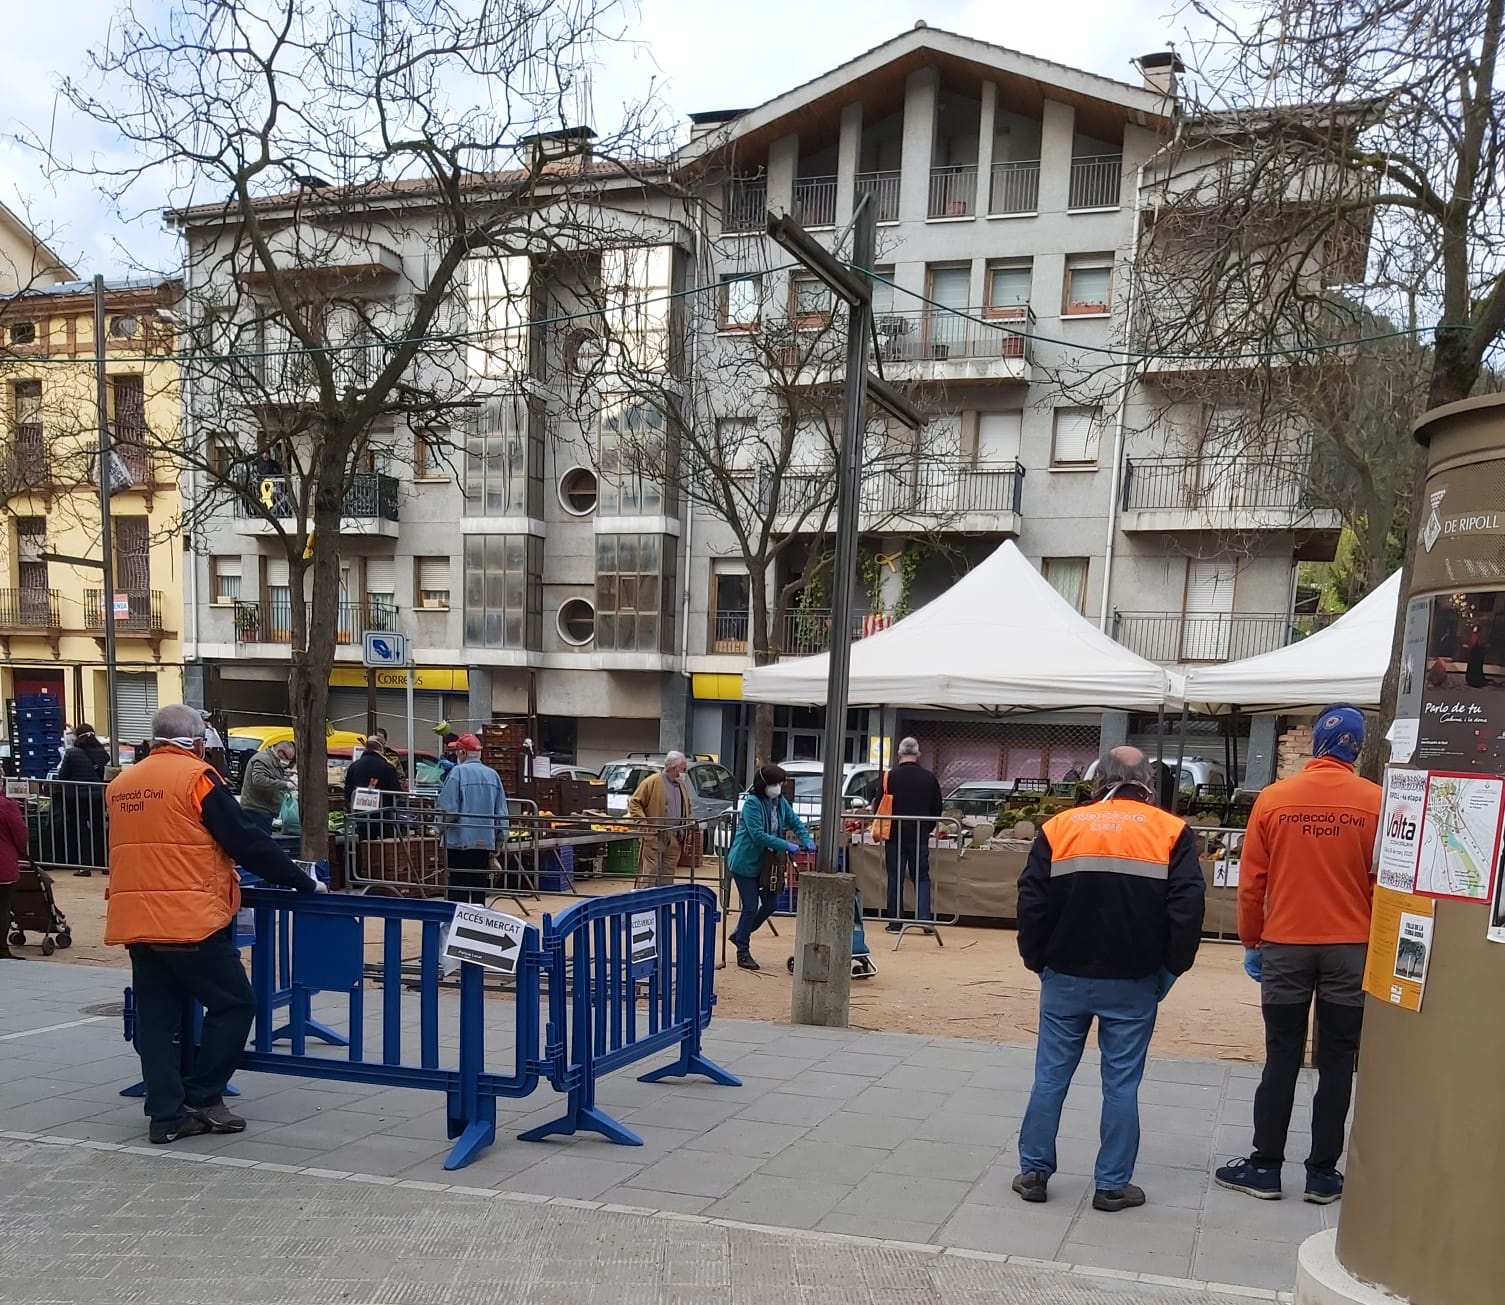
x: 1306, y: 883
x: 176, y: 835
x: 1110, y: 914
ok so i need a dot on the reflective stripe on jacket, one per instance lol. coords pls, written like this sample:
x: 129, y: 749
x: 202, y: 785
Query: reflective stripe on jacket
x: 170, y: 882
x: 1113, y: 891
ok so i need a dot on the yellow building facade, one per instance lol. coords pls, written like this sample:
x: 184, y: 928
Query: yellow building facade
x: 53, y: 599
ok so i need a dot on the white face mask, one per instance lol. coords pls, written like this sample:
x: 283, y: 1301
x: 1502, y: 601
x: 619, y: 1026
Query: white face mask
x: 773, y: 790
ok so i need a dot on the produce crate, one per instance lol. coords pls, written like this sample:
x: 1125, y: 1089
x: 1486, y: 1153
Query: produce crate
x: 556, y: 870
x: 622, y: 857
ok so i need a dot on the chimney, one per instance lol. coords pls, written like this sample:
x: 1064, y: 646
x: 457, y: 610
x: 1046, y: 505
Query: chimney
x: 1160, y: 71
x: 555, y: 146
x: 704, y: 123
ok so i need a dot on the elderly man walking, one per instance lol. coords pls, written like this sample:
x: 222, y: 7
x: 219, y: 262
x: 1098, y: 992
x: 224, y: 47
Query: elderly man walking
x: 474, y: 804
x: 1110, y: 914
x: 665, y: 802
x: 176, y: 836
x: 1305, y: 889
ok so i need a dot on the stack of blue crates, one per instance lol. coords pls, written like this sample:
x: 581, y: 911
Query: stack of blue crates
x: 37, y: 734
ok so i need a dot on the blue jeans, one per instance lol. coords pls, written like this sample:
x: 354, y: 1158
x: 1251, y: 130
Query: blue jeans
x: 907, y: 856
x: 1125, y: 1012
x: 757, y: 908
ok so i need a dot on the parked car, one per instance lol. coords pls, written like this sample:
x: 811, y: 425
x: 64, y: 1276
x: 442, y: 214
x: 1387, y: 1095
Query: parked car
x: 859, y: 786
x: 978, y: 798
x: 1195, y: 773
x: 715, y: 787
x: 573, y: 772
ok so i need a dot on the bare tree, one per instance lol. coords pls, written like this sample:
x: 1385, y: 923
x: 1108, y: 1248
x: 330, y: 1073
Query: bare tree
x: 354, y: 183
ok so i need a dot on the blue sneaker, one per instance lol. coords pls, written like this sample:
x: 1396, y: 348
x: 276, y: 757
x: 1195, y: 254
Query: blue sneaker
x: 1323, y: 1188
x: 1249, y: 1178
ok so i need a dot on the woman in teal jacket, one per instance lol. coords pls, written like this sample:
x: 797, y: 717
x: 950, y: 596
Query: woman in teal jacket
x: 766, y: 824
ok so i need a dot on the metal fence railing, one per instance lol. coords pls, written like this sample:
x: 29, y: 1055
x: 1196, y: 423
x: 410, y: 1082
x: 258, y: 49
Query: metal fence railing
x: 1096, y: 181
x: 369, y: 496
x: 29, y: 609
x: 136, y: 612
x: 929, y: 488
x: 272, y: 622
x: 66, y: 826
x: 882, y: 188
x: 815, y: 201
x: 1214, y: 483
x: 935, y: 335
x: 953, y: 191
x: 1015, y: 187
x: 1169, y: 637
x: 746, y: 207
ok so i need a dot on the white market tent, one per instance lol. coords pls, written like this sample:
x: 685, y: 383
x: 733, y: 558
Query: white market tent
x: 1344, y: 663
x: 1000, y: 639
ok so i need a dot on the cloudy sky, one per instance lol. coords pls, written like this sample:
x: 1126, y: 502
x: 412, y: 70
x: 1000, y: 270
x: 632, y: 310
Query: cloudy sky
x: 702, y: 54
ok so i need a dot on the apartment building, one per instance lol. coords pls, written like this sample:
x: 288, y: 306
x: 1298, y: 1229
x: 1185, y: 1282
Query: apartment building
x: 53, y: 601
x: 532, y: 566
x: 1007, y: 190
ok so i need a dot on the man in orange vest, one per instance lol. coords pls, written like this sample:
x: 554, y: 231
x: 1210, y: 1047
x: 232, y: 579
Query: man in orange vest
x: 176, y: 836
x: 1306, y: 884
x: 1110, y: 914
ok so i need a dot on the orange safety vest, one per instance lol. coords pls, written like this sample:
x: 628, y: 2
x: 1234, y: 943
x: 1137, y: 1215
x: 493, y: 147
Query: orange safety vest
x: 1118, y: 836
x: 170, y: 882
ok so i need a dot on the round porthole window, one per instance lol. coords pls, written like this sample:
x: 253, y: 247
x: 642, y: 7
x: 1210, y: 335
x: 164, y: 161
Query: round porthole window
x: 577, y: 622
x: 124, y: 327
x: 578, y: 491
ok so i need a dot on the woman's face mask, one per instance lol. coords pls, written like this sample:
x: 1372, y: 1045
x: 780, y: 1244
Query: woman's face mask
x: 773, y: 790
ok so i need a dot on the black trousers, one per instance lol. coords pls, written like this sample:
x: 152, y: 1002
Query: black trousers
x: 469, y: 874
x: 7, y: 895
x: 166, y: 980
x: 1293, y: 977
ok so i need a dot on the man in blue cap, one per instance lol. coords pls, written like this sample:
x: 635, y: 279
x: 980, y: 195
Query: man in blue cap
x: 1306, y: 882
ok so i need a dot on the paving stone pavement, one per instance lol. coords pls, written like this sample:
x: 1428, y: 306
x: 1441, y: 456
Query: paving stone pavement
x: 887, y: 1136
x: 90, y: 1227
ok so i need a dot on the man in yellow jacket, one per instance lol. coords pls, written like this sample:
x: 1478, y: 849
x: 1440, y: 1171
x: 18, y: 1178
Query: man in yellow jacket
x: 176, y: 835
x: 666, y: 803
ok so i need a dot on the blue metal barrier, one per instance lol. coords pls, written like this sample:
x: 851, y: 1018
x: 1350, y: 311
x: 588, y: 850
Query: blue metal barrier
x: 595, y: 957
x: 328, y: 955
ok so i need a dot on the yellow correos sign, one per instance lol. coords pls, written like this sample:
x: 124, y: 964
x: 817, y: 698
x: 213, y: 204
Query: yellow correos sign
x: 426, y: 679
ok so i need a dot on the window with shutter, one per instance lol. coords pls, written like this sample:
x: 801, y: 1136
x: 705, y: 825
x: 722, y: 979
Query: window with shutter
x: 1208, y: 622
x: 1089, y: 283
x: 226, y: 572
x: 999, y: 437
x: 433, y: 582
x: 1008, y: 289
x: 135, y: 705
x: 1077, y: 436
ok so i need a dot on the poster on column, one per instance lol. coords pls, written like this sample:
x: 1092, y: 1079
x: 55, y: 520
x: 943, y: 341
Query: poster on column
x: 1400, y: 948
x: 1405, y: 794
x: 1405, y: 729
x: 1462, y: 709
x: 1460, y: 836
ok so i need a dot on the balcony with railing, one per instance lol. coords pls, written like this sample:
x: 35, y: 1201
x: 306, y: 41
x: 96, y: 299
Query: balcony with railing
x: 951, y: 347
x: 746, y: 205
x: 1234, y: 492
x: 272, y: 622
x: 953, y: 191
x: 137, y: 611
x: 1178, y: 637
x: 1096, y: 181
x: 25, y: 611
x: 1015, y: 188
x: 370, y: 506
x: 730, y: 632
x: 928, y: 493
x: 815, y: 201
x: 807, y: 631
x: 883, y: 188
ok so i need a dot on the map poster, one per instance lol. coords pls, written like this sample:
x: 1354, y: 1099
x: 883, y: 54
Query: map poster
x: 1405, y: 795
x: 1400, y: 948
x: 1460, y: 836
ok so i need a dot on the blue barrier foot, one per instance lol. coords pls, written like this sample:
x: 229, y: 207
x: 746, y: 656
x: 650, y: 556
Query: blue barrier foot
x: 692, y: 1062
x: 585, y: 1119
x: 321, y: 1031
x: 478, y: 1135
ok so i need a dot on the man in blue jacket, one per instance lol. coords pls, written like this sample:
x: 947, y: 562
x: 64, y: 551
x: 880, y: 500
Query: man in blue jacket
x: 475, y: 808
x: 768, y: 828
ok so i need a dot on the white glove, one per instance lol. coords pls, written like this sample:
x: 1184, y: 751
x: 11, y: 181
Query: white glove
x: 320, y: 886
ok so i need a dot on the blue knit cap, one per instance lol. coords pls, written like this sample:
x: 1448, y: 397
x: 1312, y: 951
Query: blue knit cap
x: 1339, y: 733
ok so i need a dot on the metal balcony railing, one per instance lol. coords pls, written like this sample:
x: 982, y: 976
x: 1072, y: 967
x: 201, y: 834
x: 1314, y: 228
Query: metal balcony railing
x: 729, y: 632
x: 883, y: 187
x: 935, y: 335
x: 29, y: 609
x: 1215, y: 483
x: 1015, y: 187
x: 1188, y: 637
x: 137, y: 611
x: 932, y: 489
x: 1096, y: 181
x: 272, y: 622
x: 953, y: 191
x: 371, y: 496
x: 746, y: 205
x: 805, y: 632
x: 815, y: 201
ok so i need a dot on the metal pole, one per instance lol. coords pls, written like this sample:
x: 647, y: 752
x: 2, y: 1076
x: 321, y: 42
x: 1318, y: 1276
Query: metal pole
x: 1180, y: 757
x: 371, y: 713
x: 412, y: 742
x: 106, y: 529
x: 848, y: 500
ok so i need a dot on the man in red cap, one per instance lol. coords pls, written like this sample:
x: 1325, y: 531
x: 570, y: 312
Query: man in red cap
x: 474, y: 804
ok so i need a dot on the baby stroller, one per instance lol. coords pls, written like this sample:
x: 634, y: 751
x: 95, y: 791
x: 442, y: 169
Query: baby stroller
x: 35, y: 909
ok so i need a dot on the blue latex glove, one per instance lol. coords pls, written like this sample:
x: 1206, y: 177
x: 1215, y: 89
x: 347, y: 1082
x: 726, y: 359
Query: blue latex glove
x: 793, y: 847
x: 1167, y: 982
x: 1254, y: 963
x: 810, y: 845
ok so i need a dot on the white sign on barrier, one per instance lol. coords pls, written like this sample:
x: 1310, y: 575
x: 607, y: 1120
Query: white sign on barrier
x: 18, y: 788
x: 644, y: 927
x: 365, y: 799
x: 487, y: 938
